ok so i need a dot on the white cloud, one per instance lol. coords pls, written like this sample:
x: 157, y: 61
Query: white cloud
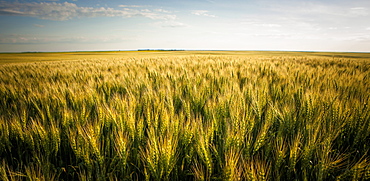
x: 66, y: 11
x: 319, y: 9
x: 145, y: 10
x: 354, y: 38
x: 269, y: 25
x: 171, y: 24
x: 274, y: 36
x: 358, y: 11
x: 260, y: 22
x: 202, y: 13
x: 23, y: 39
x: 358, y: 8
x: 162, y: 11
x: 37, y: 25
x: 45, y: 39
x: 130, y: 6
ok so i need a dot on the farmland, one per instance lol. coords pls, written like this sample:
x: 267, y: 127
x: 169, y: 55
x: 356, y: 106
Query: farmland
x: 189, y: 115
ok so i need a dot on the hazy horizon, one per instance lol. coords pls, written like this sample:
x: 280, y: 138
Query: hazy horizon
x: 190, y: 50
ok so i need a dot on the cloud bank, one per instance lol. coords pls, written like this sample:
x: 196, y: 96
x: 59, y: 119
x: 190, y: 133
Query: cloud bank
x: 202, y: 13
x: 53, y: 39
x: 66, y: 11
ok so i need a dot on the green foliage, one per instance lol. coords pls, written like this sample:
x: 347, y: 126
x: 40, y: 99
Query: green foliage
x: 186, y: 117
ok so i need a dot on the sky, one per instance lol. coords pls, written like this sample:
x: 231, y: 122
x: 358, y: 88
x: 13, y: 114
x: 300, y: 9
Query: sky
x: 91, y: 25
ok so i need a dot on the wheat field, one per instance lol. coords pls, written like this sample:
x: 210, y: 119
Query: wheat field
x: 185, y: 116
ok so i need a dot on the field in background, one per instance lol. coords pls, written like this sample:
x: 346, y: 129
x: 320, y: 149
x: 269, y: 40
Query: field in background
x: 6, y: 58
x: 180, y: 115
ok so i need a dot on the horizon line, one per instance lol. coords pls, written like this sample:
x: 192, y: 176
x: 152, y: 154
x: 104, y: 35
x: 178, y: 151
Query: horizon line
x: 159, y: 49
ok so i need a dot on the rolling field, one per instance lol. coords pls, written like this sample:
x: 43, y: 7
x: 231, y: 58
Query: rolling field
x: 185, y: 115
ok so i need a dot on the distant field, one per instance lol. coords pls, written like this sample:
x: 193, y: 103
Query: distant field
x: 185, y: 115
x: 36, y: 57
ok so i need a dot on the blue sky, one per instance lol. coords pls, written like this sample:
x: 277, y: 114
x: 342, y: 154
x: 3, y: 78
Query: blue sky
x: 77, y: 25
